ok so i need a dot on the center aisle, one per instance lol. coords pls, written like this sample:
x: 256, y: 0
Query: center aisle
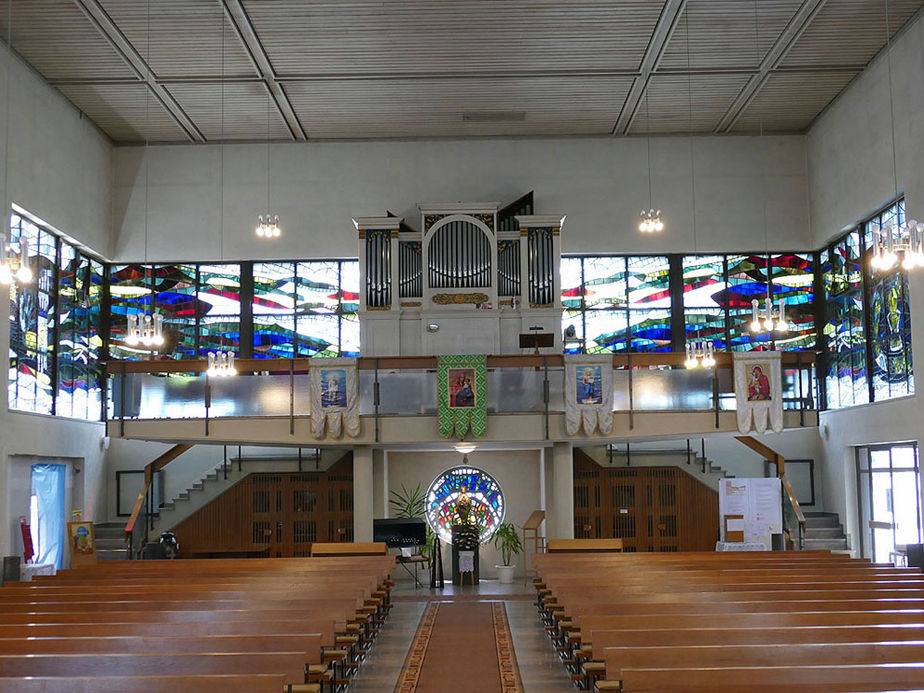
x: 466, y: 642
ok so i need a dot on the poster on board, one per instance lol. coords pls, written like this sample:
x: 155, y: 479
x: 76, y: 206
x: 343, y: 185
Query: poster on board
x: 758, y: 502
x: 82, y: 543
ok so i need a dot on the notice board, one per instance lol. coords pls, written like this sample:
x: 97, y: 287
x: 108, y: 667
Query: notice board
x: 751, y: 507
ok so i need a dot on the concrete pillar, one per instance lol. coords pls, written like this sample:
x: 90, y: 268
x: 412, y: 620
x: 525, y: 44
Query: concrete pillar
x: 561, y: 525
x: 362, y: 493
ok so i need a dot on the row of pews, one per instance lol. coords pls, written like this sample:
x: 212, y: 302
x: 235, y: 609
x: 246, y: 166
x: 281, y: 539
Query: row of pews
x: 730, y: 622
x: 300, y: 625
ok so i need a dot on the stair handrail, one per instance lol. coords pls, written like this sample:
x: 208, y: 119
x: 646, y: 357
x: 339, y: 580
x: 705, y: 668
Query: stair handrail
x: 772, y: 455
x: 145, y: 499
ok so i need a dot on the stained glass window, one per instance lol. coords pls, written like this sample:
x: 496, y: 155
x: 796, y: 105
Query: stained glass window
x: 860, y: 336
x: 485, y: 494
x: 704, y: 297
x: 54, y: 327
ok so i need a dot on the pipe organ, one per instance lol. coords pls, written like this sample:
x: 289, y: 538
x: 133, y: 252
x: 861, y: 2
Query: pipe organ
x: 471, y: 280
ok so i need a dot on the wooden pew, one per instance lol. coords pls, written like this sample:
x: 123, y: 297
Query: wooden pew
x: 215, y: 683
x: 774, y: 679
x: 583, y: 545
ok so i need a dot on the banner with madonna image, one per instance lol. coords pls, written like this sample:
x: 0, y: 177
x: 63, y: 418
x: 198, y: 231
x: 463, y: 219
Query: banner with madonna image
x: 588, y: 393
x: 334, y: 397
x: 462, y: 393
x: 758, y: 391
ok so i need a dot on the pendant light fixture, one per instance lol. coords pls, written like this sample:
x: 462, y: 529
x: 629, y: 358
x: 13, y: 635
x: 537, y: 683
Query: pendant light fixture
x: 773, y: 318
x: 146, y: 329
x: 268, y: 224
x: 221, y: 363
x: 23, y: 274
x: 896, y: 242
x: 651, y: 221
x: 700, y: 352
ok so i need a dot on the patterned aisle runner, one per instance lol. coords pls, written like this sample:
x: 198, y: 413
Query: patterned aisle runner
x: 461, y: 644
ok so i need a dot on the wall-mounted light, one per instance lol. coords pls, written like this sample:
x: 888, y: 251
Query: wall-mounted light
x: 433, y: 327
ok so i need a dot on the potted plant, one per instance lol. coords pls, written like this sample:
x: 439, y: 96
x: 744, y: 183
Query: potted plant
x: 507, y: 539
x: 412, y: 503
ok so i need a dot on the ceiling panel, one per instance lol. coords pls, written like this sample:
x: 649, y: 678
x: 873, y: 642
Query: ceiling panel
x: 436, y: 37
x: 452, y: 107
x: 124, y: 112
x: 848, y: 32
x: 669, y: 107
x: 726, y: 34
x: 789, y: 102
x: 243, y: 114
x: 187, y: 37
x: 58, y: 40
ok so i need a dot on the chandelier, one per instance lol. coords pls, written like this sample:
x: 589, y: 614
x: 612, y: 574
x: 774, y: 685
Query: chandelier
x: 700, y: 354
x: 268, y: 226
x: 221, y: 365
x: 146, y: 330
x: 24, y: 274
x: 772, y: 318
x: 891, y: 244
x: 651, y: 221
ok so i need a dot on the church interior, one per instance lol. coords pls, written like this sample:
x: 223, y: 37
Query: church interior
x: 522, y: 346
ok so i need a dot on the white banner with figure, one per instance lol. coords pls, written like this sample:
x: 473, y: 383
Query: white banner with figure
x: 758, y: 391
x: 588, y: 393
x: 334, y: 397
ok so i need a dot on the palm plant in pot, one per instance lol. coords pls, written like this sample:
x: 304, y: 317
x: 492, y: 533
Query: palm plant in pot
x: 507, y: 539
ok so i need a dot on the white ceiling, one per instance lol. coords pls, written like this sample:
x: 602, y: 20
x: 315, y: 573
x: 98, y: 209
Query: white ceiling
x: 244, y: 70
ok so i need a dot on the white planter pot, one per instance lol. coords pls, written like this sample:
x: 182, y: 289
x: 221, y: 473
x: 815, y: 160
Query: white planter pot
x: 505, y: 574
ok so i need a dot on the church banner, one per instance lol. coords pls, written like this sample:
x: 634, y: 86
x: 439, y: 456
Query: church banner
x: 758, y: 391
x: 334, y: 397
x: 462, y: 392
x: 588, y: 393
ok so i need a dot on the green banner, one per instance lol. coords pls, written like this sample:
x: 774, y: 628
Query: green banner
x: 463, y: 395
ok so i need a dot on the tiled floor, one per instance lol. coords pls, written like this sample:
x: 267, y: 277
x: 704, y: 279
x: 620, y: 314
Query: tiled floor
x: 539, y: 667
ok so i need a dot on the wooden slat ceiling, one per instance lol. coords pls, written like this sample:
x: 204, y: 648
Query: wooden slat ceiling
x: 432, y: 68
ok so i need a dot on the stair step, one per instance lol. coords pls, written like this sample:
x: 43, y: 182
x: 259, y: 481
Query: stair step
x: 822, y: 522
x: 823, y: 544
x: 112, y: 554
x: 107, y: 543
x: 824, y: 532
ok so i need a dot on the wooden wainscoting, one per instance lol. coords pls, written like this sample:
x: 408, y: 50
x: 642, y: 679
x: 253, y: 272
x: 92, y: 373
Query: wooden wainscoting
x: 277, y: 514
x: 649, y: 508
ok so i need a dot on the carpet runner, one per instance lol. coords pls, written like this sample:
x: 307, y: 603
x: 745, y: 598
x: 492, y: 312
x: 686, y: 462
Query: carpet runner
x: 462, y: 645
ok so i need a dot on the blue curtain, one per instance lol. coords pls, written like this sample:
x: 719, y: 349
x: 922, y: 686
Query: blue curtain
x: 48, y: 486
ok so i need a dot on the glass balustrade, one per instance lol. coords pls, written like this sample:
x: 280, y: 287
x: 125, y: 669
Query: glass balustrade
x: 413, y: 392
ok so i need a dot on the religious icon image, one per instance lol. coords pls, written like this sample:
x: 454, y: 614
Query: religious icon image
x: 758, y: 384
x: 461, y: 387
x: 588, y: 385
x: 463, y: 506
x: 333, y: 388
x: 81, y: 538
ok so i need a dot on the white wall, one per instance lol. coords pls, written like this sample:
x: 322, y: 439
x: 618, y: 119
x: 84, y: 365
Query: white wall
x: 58, y: 169
x: 517, y: 472
x: 599, y: 183
x: 850, y: 154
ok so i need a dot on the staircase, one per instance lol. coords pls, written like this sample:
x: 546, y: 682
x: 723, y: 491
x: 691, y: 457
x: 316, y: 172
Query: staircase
x: 700, y: 468
x: 110, y: 541
x: 214, y: 483
x: 823, y: 531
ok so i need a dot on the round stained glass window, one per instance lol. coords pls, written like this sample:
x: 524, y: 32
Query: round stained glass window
x: 484, y: 492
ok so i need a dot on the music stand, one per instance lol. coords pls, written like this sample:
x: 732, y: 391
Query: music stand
x: 534, y: 339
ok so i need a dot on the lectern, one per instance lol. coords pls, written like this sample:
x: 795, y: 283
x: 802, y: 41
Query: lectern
x: 532, y: 525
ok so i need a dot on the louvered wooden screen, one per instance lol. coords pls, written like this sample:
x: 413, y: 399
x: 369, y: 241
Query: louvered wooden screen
x: 649, y: 508
x: 276, y: 514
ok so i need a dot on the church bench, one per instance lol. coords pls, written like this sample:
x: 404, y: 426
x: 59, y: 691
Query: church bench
x: 290, y: 664
x: 219, y: 683
x: 348, y: 549
x: 148, y: 615
x: 577, y: 545
x: 730, y: 607
x: 193, y: 604
x: 599, y: 640
x: 589, y: 623
x: 831, y: 679
x: 309, y: 645
x: 619, y: 659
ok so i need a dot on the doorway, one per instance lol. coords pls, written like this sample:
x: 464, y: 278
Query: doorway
x: 47, y: 510
x: 889, y: 490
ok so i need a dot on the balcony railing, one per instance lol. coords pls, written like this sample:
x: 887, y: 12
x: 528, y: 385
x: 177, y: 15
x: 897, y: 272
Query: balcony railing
x: 406, y: 386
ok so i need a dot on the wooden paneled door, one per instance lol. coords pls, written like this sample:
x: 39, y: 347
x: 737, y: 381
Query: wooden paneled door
x: 274, y: 514
x: 650, y: 509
